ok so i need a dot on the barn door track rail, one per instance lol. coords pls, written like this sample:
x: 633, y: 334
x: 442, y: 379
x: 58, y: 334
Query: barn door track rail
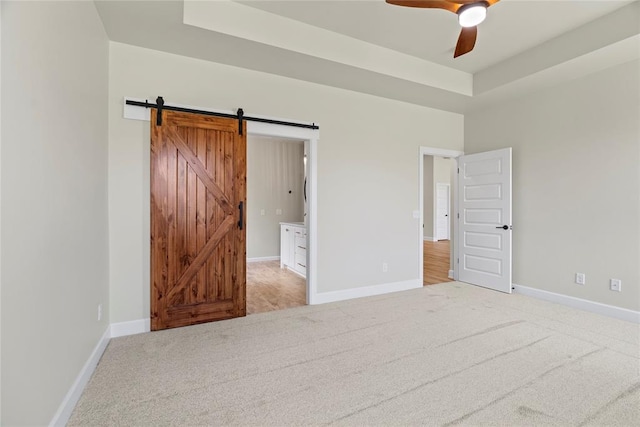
x: 161, y: 106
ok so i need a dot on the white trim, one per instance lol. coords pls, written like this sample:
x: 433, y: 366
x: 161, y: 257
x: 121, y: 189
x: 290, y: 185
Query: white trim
x: 430, y: 239
x: 366, y: 291
x: 312, y: 218
x: 295, y: 272
x: 438, y: 152
x: 69, y: 402
x: 264, y: 258
x: 450, y: 276
x: 310, y: 136
x: 580, y: 304
x: 132, y: 327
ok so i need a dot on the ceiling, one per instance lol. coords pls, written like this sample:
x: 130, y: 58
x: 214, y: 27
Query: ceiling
x: 432, y: 34
x: 395, y: 52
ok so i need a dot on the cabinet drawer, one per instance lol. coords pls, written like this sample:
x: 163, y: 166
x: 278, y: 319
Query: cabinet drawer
x: 302, y: 270
x: 301, y: 260
x: 301, y: 242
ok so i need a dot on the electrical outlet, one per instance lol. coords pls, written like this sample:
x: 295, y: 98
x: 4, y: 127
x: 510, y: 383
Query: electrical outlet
x: 385, y: 267
x: 615, y: 285
x: 580, y: 278
x: 262, y: 212
x: 278, y: 211
x: 99, y: 312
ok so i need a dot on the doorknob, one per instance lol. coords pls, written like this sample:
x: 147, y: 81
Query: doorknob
x: 504, y: 227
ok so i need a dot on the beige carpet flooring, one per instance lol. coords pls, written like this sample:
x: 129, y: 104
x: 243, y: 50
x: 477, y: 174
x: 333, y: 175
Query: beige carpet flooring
x: 448, y: 354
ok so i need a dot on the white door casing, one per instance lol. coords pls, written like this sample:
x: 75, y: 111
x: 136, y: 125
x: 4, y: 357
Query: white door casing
x: 484, y: 184
x: 443, y: 201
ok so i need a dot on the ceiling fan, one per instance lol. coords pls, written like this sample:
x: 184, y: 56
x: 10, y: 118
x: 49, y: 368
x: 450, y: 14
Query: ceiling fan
x: 470, y: 14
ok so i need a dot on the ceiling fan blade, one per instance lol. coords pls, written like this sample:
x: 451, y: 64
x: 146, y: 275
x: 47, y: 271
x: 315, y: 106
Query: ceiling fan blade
x: 466, y: 41
x: 428, y: 4
x: 463, y: 2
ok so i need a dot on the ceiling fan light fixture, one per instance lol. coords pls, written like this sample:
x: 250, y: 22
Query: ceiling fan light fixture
x: 473, y: 14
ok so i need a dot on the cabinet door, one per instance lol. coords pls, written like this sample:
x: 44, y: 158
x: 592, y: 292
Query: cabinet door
x: 285, y: 245
x: 300, y: 251
x: 291, y: 246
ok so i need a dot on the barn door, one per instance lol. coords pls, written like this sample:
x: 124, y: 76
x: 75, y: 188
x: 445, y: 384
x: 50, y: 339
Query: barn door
x: 198, y: 175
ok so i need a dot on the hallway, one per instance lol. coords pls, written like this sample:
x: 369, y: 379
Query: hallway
x: 436, y: 262
x: 271, y: 288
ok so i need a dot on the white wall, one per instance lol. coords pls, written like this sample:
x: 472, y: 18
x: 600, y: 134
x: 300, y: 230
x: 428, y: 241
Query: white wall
x: 442, y: 174
x: 437, y: 170
x: 576, y: 183
x: 275, y: 179
x: 367, y: 166
x: 428, y: 187
x: 442, y: 170
x: 54, y: 201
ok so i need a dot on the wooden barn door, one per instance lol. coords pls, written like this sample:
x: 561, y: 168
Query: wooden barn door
x: 198, y: 255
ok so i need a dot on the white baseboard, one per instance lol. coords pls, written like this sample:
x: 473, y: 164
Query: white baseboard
x: 430, y: 239
x: 73, y: 395
x: 69, y: 402
x: 130, y: 328
x: 264, y: 258
x: 294, y: 272
x: 365, y: 291
x: 450, y: 275
x: 579, y: 303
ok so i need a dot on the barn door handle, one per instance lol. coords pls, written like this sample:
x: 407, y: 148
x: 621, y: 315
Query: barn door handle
x: 504, y: 227
x: 241, y: 220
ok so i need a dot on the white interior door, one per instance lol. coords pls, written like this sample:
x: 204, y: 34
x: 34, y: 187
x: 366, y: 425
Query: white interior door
x: 484, y: 183
x: 442, y: 211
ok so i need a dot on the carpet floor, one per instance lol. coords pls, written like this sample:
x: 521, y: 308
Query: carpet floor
x: 448, y: 354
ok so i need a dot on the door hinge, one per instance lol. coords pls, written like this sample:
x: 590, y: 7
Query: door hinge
x: 458, y: 216
x: 458, y: 261
x: 458, y: 170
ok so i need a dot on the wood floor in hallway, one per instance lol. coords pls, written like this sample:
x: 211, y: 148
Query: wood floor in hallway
x: 436, y: 262
x: 270, y: 287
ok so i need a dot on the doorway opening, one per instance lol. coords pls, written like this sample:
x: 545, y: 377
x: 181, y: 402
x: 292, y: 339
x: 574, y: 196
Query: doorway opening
x: 438, y: 180
x: 276, y: 223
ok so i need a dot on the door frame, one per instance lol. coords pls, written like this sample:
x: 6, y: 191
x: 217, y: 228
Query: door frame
x: 311, y: 137
x: 438, y: 152
x: 435, y: 210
